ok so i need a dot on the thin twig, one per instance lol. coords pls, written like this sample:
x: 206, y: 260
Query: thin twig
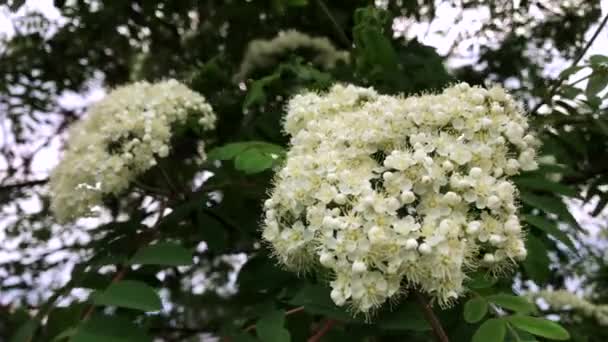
x: 287, y: 313
x: 440, y: 334
x: 339, y: 31
x: 580, y: 56
x: 324, y: 329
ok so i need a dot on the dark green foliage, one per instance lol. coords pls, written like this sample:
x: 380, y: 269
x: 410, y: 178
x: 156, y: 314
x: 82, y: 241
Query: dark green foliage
x: 192, y: 256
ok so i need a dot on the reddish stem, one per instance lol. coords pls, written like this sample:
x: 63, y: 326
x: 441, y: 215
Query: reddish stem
x: 324, y: 329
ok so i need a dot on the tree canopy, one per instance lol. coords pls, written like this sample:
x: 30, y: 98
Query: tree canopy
x: 175, y: 247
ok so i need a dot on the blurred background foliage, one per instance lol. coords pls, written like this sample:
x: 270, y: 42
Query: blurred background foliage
x: 234, y: 289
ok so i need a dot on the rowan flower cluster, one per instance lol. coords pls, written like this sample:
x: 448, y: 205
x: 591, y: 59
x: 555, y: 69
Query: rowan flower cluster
x: 262, y: 53
x: 122, y: 136
x: 389, y: 192
x: 562, y: 299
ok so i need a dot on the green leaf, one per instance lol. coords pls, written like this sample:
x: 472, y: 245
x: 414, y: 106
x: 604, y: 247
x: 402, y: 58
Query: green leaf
x: 252, y: 161
x: 543, y: 184
x: 475, y: 309
x: 250, y: 156
x: 63, y: 318
x: 512, y: 302
x: 537, y: 261
x: 597, y: 82
x: 492, y: 330
x: 549, y: 204
x: 480, y: 280
x: 109, y: 329
x: 64, y: 335
x: 298, y: 3
x: 598, y: 60
x: 570, y: 71
x: 407, y: 316
x: 257, y: 91
x: 164, y: 253
x: 550, y: 228
x: 129, y: 294
x: 539, y: 327
x: 270, y: 327
x: 26, y: 332
x: 316, y: 300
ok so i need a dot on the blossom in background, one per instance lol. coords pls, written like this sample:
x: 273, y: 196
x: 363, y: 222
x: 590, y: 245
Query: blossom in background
x: 263, y: 53
x: 379, y: 189
x: 122, y: 136
x: 564, y: 300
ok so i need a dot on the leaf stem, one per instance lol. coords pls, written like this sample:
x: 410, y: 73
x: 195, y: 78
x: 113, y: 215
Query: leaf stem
x: 430, y: 316
x: 330, y: 323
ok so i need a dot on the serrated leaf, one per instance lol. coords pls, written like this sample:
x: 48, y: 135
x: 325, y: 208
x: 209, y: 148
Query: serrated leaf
x: 129, y: 294
x: 475, y: 309
x: 492, y: 330
x: 109, y: 329
x: 164, y: 253
x: 512, y: 302
x: 540, y: 327
x: 550, y: 228
x: 270, y: 327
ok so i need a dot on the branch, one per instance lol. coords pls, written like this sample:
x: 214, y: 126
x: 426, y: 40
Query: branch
x: 287, y: 313
x: 324, y: 329
x: 438, y: 331
x: 580, y: 56
x: 27, y: 184
x: 339, y: 31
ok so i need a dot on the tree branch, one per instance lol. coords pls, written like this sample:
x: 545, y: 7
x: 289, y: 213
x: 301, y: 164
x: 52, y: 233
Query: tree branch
x: 438, y: 331
x: 27, y: 184
x: 339, y: 31
x: 580, y: 56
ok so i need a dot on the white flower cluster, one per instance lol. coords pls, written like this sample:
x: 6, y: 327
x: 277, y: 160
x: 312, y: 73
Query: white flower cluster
x: 562, y: 299
x: 122, y: 137
x: 263, y: 53
x: 383, y: 189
